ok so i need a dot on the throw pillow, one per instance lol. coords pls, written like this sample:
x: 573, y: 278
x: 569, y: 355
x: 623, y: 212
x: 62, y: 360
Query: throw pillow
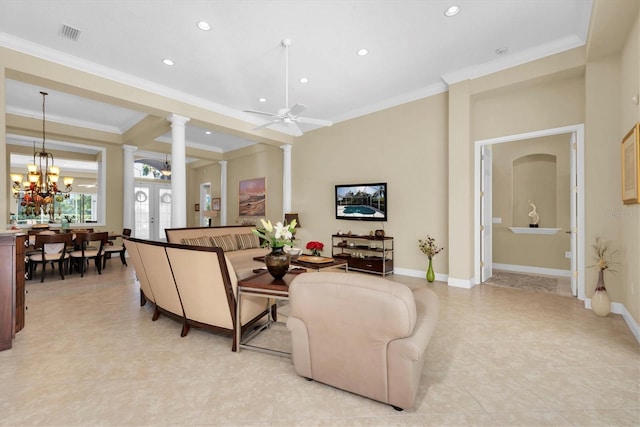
x: 197, y: 241
x: 248, y: 241
x: 226, y: 242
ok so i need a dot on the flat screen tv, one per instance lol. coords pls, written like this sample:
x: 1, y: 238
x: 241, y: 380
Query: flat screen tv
x: 362, y: 202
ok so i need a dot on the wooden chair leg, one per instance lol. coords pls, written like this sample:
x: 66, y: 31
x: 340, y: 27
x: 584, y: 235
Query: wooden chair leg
x: 61, y: 269
x: 122, y: 258
x: 44, y: 268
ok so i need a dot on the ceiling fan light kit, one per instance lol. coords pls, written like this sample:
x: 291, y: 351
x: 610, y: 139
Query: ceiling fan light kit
x: 289, y: 116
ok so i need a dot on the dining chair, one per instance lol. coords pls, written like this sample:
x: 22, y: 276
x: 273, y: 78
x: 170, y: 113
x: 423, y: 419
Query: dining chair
x: 50, y: 248
x: 113, y: 249
x: 85, y: 250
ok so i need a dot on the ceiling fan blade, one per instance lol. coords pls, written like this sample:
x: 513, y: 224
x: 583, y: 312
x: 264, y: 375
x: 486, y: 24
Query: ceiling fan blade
x: 296, y: 110
x: 296, y: 129
x: 264, y: 125
x: 310, y: 121
x: 261, y: 112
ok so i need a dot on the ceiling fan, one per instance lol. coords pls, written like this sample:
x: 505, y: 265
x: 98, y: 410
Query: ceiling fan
x: 289, y: 116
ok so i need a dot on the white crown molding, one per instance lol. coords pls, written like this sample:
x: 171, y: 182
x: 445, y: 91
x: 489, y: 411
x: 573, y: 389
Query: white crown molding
x: 393, y: 102
x: 65, y: 120
x: 512, y: 60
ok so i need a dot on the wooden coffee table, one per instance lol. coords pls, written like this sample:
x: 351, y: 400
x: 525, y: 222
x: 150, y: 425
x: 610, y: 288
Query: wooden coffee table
x: 315, y: 266
x: 265, y: 286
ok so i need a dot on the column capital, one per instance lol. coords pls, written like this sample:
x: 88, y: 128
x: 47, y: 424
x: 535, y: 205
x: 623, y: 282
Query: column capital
x: 286, y: 148
x: 129, y: 148
x: 223, y: 163
x: 176, y: 119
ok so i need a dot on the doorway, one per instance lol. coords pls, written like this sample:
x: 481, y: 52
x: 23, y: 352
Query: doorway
x: 152, y: 210
x: 483, y: 236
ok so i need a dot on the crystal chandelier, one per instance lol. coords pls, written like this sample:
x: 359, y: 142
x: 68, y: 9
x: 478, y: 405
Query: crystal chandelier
x: 40, y: 192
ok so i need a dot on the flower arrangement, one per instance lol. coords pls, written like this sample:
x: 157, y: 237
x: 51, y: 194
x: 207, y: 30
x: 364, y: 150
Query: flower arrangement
x: 315, y: 247
x: 604, y: 257
x: 429, y: 248
x: 276, y: 236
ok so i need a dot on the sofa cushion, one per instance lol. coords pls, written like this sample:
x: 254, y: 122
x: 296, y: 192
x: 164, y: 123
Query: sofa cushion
x: 227, y: 242
x: 243, y: 262
x: 198, y: 241
x: 248, y: 241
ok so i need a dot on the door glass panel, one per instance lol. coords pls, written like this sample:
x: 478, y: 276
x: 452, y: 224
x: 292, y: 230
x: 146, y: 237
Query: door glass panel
x: 142, y: 212
x: 164, y: 211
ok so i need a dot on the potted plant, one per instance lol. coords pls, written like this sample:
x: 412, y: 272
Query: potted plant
x: 276, y: 237
x: 429, y: 248
x: 315, y: 247
x: 600, y: 301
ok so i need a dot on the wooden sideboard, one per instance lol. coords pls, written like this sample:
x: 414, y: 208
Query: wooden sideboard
x: 12, y: 291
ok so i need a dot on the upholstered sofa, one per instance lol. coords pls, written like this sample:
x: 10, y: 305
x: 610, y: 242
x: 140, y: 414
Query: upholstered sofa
x: 364, y: 334
x: 240, y: 245
x: 194, y: 285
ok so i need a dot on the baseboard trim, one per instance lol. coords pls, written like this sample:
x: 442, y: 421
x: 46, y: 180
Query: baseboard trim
x: 533, y: 270
x: 419, y: 273
x: 461, y: 283
x: 619, y: 308
x: 451, y: 281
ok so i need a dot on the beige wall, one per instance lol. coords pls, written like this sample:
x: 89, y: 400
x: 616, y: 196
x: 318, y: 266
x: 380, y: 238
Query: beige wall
x: 406, y: 147
x: 628, y: 288
x: 255, y: 162
x: 549, y: 190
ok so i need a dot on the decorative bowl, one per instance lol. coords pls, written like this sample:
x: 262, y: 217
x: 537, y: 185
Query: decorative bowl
x: 293, y: 251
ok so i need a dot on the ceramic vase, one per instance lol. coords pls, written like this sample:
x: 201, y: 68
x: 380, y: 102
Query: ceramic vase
x: 431, y: 276
x: 600, y: 302
x: 277, y: 262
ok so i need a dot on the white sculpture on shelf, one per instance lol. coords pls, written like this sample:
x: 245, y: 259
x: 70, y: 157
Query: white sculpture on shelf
x: 533, y: 215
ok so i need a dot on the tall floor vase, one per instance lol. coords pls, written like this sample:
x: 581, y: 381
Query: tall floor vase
x: 431, y: 276
x: 600, y: 302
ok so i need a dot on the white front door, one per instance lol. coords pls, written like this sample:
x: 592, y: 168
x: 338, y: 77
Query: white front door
x: 152, y: 210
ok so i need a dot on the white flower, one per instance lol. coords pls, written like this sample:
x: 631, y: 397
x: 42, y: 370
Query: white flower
x: 267, y: 225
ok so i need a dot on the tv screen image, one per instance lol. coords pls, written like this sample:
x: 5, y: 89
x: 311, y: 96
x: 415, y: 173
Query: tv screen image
x: 362, y: 202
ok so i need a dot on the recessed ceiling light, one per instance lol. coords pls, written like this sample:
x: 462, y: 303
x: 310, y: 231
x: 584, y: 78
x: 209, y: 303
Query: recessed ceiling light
x: 501, y: 50
x: 208, y: 132
x: 262, y: 99
x: 204, y: 26
x: 362, y: 52
x: 168, y: 62
x: 304, y: 80
x: 452, y: 11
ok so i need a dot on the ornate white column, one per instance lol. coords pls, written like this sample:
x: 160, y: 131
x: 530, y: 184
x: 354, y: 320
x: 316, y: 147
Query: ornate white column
x: 223, y: 192
x: 286, y: 178
x: 128, y: 185
x: 178, y: 171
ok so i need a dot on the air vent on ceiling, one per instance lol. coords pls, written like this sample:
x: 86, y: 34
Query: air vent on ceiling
x: 69, y: 32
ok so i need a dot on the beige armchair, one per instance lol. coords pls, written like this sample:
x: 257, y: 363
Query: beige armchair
x: 361, y: 333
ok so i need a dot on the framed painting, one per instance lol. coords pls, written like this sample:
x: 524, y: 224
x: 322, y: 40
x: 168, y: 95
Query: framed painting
x: 215, y: 204
x: 252, y: 197
x: 630, y: 164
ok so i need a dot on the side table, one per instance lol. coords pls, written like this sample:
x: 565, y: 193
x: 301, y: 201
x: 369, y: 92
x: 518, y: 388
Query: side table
x: 265, y: 286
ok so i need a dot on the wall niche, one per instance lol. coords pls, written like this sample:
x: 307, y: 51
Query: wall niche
x: 534, y: 178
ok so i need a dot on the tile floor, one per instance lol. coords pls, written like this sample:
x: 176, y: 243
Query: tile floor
x: 90, y: 355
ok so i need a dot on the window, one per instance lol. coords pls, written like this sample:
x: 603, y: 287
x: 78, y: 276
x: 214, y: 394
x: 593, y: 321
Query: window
x: 77, y: 208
